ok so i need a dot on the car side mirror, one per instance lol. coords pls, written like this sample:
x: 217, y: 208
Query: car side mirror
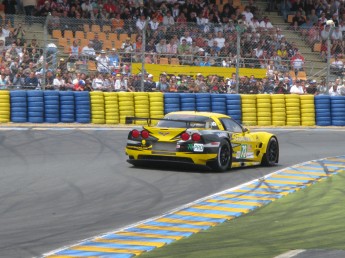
x: 246, y: 130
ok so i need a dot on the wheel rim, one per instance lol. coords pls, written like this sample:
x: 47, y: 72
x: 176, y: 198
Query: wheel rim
x: 224, y: 155
x: 273, y: 151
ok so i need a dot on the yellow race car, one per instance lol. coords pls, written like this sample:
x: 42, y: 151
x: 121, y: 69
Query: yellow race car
x: 200, y: 138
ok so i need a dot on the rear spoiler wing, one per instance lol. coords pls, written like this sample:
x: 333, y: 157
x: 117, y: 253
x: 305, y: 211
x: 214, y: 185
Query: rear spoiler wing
x: 188, y: 123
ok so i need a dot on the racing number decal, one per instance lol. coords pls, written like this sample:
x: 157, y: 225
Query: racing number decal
x: 198, y: 147
x: 243, y: 153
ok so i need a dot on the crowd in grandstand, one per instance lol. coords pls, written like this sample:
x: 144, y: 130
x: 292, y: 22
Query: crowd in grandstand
x: 195, y: 32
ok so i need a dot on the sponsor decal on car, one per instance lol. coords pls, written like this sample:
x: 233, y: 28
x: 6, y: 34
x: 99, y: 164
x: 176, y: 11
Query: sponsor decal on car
x: 198, y: 147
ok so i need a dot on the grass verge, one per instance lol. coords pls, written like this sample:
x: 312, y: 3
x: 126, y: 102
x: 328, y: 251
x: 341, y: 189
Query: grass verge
x: 312, y: 218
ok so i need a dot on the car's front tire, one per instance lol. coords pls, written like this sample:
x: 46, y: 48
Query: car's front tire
x: 270, y: 158
x: 223, y: 159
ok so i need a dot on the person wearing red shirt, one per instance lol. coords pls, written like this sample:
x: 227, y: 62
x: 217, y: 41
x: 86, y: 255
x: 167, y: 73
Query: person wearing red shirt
x: 110, y: 7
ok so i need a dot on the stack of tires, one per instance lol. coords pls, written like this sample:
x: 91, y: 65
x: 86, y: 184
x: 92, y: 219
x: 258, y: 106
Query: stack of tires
x: 4, y: 106
x: 264, y: 109
x: 338, y: 110
x: 293, y: 109
x: 67, y: 107
x: 126, y: 105
x: 234, y: 107
x: 82, y: 107
x: 141, y: 107
x: 171, y: 102
x: 323, y: 110
x: 187, y: 101
x: 111, y: 107
x: 218, y: 103
x: 203, y: 102
x: 97, y: 107
x: 51, y: 106
x: 307, y: 110
x: 19, y: 106
x: 35, y: 106
x: 278, y: 110
x: 249, y: 109
x: 156, y: 105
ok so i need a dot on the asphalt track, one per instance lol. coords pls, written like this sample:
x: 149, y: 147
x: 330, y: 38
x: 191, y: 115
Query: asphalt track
x: 60, y: 186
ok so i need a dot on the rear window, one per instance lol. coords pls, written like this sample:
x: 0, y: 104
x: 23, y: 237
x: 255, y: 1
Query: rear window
x: 188, y: 121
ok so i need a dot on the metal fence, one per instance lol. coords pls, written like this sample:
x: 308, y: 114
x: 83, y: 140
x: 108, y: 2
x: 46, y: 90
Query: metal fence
x: 231, y: 45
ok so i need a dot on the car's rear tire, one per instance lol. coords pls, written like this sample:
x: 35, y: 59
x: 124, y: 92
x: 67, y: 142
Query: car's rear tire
x: 223, y: 159
x: 270, y: 158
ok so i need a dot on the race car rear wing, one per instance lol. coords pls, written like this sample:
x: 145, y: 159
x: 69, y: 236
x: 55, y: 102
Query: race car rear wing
x: 177, y: 123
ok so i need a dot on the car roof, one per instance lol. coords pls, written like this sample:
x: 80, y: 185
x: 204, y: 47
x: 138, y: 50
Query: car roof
x: 197, y: 113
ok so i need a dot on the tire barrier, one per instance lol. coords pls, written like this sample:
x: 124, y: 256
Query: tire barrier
x: 141, y: 106
x: 97, y: 107
x: 234, y: 106
x: 187, y: 101
x: 293, y: 110
x: 307, y: 110
x: 51, y: 106
x: 126, y: 105
x: 171, y: 102
x: 156, y: 105
x: 67, y: 107
x: 35, y: 106
x: 111, y: 107
x: 278, y: 110
x: 218, y: 103
x: 249, y: 110
x: 323, y: 110
x: 338, y: 110
x: 82, y: 107
x: 19, y: 106
x: 264, y: 109
x: 203, y: 102
x: 5, y: 107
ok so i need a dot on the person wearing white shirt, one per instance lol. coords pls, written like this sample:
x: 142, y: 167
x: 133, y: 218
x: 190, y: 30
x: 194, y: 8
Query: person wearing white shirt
x: 154, y: 24
x: 102, y: 62
x: 337, y: 34
x: 297, y: 88
x: 98, y: 82
x: 88, y: 50
x: 168, y: 20
x: 334, y: 90
x: 247, y: 14
x: 254, y: 24
x: 187, y: 37
x: 220, y: 39
x: 141, y: 22
x: 58, y: 82
x: 266, y: 24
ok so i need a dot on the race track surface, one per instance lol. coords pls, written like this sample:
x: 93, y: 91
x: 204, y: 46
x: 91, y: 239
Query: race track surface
x: 61, y: 186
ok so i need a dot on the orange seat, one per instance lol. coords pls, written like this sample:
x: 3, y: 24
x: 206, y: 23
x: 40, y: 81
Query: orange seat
x: 79, y: 34
x: 102, y: 36
x: 112, y: 36
x: 68, y: 34
x: 62, y: 42
x: 90, y: 35
x: 123, y: 36
x: 56, y: 34
x: 95, y: 28
x: 317, y: 47
x: 174, y: 61
x: 107, y: 44
x: 163, y: 60
x: 86, y: 27
x: 106, y: 28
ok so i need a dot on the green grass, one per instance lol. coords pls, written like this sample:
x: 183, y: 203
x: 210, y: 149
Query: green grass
x: 312, y: 218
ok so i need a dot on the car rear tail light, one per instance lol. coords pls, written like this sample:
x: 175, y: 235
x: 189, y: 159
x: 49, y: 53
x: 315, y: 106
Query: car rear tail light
x: 196, y: 137
x: 185, y: 136
x: 145, y: 134
x: 135, y: 133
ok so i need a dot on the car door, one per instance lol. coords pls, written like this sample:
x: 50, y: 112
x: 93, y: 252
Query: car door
x: 243, y: 142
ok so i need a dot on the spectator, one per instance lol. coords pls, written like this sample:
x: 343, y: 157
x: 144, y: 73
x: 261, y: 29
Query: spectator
x: 98, y: 83
x: 31, y: 81
x: 117, y: 24
x: 168, y: 20
x: 149, y: 84
x: 297, y: 88
x: 161, y: 47
x: 97, y: 44
x: 114, y: 60
x: 163, y: 84
x: 337, y: 34
x: 297, y: 21
x: 88, y: 51
x: 337, y: 48
x: 297, y: 62
x: 29, y: 8
x: 102, y: 62
x: 266, y: 24
x: 280, y: 88
x: 154, y: 24
x: 74, y: 50
x: 58, y: 82
x: 10, y: 11
x: 127, y: 46
x: 141, y: 23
